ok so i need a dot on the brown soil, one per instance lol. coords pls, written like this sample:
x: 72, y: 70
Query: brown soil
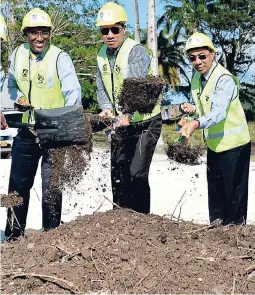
x: 126, y: 252
x: 140, y: 94
x: 69, y: 162
x: 185, y: 154
x: 11, y: 200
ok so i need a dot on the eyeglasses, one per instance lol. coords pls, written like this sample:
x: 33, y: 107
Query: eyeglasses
x: 201, y: 57
x: 114, y: 30
x: 35, y: 34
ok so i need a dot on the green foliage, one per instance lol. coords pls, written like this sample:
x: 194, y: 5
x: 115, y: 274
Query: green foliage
x: 89, y: 99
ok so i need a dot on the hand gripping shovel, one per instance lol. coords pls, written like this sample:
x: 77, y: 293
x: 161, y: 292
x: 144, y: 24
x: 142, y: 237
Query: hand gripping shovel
x: 57, y: 127
x: 182, y: 138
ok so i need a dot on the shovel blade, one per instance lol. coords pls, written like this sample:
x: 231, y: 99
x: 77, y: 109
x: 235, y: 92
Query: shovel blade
x: 60, y: 126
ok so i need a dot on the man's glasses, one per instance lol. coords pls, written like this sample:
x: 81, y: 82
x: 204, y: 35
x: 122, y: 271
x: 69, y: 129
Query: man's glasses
x: 114, y: 30
x: 201, y: 57
x: 35, y: 34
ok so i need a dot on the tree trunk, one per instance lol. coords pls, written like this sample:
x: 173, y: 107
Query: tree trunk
x: 11, y: 32
x: 137, y: 24
x: 152, y: 36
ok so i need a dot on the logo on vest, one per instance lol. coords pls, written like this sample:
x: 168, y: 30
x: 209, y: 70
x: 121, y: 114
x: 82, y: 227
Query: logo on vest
x: 24, y: 75
x: 117, y: 69
x: 105, y: 67
x: 39, y: 79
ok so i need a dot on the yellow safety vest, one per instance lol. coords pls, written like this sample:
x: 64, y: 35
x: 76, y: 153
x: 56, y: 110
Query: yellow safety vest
x: 44, y: 91
x: 231, y: 132
x: 113, y: 81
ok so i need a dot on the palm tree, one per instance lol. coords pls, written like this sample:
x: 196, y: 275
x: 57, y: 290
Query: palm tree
x: 171, y: 58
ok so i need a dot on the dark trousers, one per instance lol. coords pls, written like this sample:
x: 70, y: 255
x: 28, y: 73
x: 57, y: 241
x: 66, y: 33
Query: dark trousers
x: 131, y: 155
x: 228, y: 176
x: 26, y: 154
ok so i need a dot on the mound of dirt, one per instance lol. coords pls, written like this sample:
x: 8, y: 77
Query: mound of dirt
x: 125, y: 252
x: 185, y: 154
x: 10, y: 200
x: 140, y: 94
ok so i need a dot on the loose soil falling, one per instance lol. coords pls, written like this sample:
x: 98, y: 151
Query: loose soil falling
x: 10, y: 200
x: 185, y: 154
x: 140, y: 94
x: 125, y: 252
x: 70, y: 162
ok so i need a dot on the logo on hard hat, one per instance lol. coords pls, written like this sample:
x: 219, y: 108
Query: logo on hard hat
x: 106, y: 15
x: 194, y: 40
x: 38, y: 18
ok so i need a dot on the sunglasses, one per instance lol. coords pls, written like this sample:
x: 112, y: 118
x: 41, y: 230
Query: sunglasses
x: 114, y: 30
x: 201, y: 57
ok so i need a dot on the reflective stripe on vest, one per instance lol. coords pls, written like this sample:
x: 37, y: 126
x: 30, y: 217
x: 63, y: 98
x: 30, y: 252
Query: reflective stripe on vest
x: 45, y: 87
x: 113, y: 81
x: 231, y: 132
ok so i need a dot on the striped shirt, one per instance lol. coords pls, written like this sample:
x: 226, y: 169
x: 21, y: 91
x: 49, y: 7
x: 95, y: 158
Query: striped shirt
x: 138, y: 64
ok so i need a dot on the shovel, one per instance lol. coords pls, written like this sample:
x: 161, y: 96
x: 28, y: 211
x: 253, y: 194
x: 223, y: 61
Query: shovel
x: 182, y: 138
x: 57, y: 127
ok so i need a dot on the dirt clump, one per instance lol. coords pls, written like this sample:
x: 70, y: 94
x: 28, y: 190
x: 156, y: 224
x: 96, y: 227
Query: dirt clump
x: 183, y: 153
x: 124, y: 252
x: 11, y: 200
x: 140, y: 94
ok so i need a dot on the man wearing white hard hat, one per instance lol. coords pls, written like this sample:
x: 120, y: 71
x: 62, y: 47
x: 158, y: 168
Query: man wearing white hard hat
x: 131, y: 154
x: 215, y: 92
x: 43, y: 76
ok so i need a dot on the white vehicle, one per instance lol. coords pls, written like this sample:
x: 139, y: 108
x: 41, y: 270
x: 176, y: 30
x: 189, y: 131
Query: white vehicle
x: 7, y: 135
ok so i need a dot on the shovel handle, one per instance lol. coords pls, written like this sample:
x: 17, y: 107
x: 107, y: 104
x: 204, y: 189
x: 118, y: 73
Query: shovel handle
x: 14, y: 124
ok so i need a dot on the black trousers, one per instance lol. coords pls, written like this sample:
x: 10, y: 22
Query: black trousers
x: 26, y: 154
x: 228, y: 176
x: 132, y: 149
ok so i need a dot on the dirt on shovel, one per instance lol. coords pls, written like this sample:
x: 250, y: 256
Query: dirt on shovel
x: 140, y: 94
x: 185, y: 154
x: 99, y: 123
x: 11, y: 200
